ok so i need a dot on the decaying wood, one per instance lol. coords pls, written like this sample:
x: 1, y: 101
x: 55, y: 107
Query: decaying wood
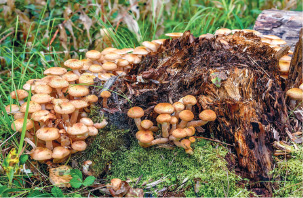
x: 237, y: 76
x: 295, y: 69
x: 282, y: 23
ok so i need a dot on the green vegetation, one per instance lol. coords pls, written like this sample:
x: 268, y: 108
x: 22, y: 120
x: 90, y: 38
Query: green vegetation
x: 207, y: 168
x: 31, y: 41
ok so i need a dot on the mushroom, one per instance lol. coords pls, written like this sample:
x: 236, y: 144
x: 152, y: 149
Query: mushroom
x: 79, y: 104
x: 111, y: 56
x: 92, y: 131
x: 132, y: 58
x: 164, y: 108
x: 48, y: 134
x: 122, y: 63
x: 148, y: 125
x: 189, y: 101
x: 159, y: 41
x: 85, y: 167
x: 186, y: 145
x: 78, y: 91
x: 64, y: 109
x: 294, y: 94
x: 74, y: 64
x: 33, y: 107
x: 17, y: 125
x: 41, y: 99
x: 301, y: 86
x: 205, y: 116
x: 140, y: 51
x: 87, y: 121
x: 70, y: 77
x: 178, y: 106
x: 42, y: 117
x: 159, y: 141
x: 185, y: 116
x: 87, y: 79
x: 109, y: 66
x: 105, y: 95
x: 12, y: 109
x: 173, y: 122
x: 58, y: 84
x: 60, y: 153
x: 164, y: 119
x: 18, y: 115
x: 145, y: 138
x: 78, y: 130
x: 93, y: 55
x: 151, y: 45
x: 223, y: 31
x: 101, y: 125
x: 136, y: 113
x: 43, y: 89
x: 78, y: 146
x: 116, y: 184
x: 174, y: 35
x: 55, y: 71
x: 95, y: 69
x: 41, y: 154
x: 19, y: 95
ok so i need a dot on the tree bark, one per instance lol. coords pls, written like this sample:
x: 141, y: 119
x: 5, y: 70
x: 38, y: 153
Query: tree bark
x: 285, y: 24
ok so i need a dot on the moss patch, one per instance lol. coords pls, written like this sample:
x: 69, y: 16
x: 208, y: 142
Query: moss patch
x: 289, y: 174
x: 207, y: 166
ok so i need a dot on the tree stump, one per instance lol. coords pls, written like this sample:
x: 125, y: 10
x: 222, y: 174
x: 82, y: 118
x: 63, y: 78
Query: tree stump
x: 285, y: 24
x: 237, y: 76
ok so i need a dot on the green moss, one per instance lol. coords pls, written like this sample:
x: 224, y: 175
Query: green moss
x: 289, y: 173
x: 207, y: 166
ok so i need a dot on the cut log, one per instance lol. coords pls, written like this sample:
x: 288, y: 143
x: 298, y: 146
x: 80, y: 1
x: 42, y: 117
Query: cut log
x: 285, y: 24
x: 237, y: 76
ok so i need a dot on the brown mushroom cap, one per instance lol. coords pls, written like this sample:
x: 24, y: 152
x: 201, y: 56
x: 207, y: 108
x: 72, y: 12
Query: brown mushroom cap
x: 48, y: 134
x: 74, y: 64
x: 295, y: 93
x: 87, y: 121
x: 179, y: 133
x: 107, y: 50
x: 86, y: 79
x: 77, y: 129
x: 163, y: 118
x: 135, y: 112
x: 105, y: 94
x: 55, y: 71
x: 93, y: 54
x: 186, y: 115
x: 140, y: 51
x: 12, y: 108
x: 208, y: 115
x: 70, y: 76
x: 116, y: 184
x: 146, y: 124
x: 189, y: 100
x: 178, y: 106
x: 159, y: 41
x: 174, y: 120
x: 33, y: 107
x: 174, y: 34
x: 41, y: 153
x: 109, y: 66
x: 224, y: 31
x: 64, y: 108
x: 132, y: 58
x: 151, y: 45
x: 60, y: 152
x: 285, y: 58
x: 17, y: 125
x: 105, y: 76
x: 164, y: 108
x: 284, y: 66
x: 57, y: 101
x: 122, y: 62
x: 41, y: 98
x: 95, y: 68
x: 58, y: 83
x: 186, y: 143
x: 42, y: 115
x: 145, y: 136
x: 43, y: 89
x: 79, y: 145
x: 90, y: 98
x: 78, y: 91
x: 20, y: 93
x: 112, y: 56
x: 79, y: 104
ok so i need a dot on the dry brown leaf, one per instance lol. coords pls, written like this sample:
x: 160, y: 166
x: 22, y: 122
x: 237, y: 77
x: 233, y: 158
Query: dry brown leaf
x: 63, y: 37
x: 87, y: 22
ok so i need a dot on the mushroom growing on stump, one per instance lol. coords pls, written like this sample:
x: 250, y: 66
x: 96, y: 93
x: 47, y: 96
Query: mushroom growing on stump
x: 185, y: 116
x: 205, y: 116
x: 178, y: 106
x: 136, y: 113
x: 148, y: 125
x: 48, y: 135
x: 174, y: 35
x: 164, y: 120
x: 93, y: 55
x: 105, y: 95
x: 164, y: 108
x: 189, y: 101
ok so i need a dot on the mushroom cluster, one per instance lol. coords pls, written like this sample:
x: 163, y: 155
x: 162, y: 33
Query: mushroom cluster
x: 57, y: 123
x: 176, y: 121
x: 273, y: 41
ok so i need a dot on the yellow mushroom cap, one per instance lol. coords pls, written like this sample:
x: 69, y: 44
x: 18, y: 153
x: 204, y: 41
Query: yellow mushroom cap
x: 208, y: 115
x: 295, y: 93
x: 174, y: 34
x: 93, y: 54
x: 145, y: 136
x: 135, y: 112
x: 164, y: 108
x: 74, y: 64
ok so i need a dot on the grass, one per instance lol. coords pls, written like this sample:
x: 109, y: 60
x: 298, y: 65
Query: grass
x: 28, y: 29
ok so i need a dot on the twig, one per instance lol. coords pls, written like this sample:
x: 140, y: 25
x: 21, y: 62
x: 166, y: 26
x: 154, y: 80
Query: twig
x: 212, y: 140
x: 8, y: 138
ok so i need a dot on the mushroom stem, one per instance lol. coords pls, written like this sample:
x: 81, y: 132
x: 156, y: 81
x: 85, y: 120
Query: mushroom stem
x: 159, y: 141
x: 189, y: 151
x: 101, y: 125
x: 165, y: 127
x: 105, y: 103
x: 49, y: 145
x: 173, y: 127
x: 182, y: 124
x: 196, y: 123
x: 30, y: 142
x: 60, y: 94
x: 21, y: 102
x: 66, y: 119
x: 188, y: 107
x: 178, y: 143
x: 77, y: 72
x: 74, y: 117
x: 138, y: 123
x: 43, y: 107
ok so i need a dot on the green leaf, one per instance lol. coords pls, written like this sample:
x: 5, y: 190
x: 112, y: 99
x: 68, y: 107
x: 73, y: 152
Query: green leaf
x: 57, y: 192
x: 89, y: 181
x: 76, y: 173
x: 75, y: 182
x: 37, y: 193
x: 23, y: 159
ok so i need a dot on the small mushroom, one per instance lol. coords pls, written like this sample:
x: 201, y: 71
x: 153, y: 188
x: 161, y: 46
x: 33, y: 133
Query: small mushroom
x: 48, y: 134
x: 185, y: 116
x: 101, y: 125
x: 189, y: 101
x: 136, y: 113
x: 294, y: 94
x: 105, y: 95
x: 19, y: 95
x: 145, y: 138
x: 164, y: 120
x: 205, y: 116
x: 60, y: 153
